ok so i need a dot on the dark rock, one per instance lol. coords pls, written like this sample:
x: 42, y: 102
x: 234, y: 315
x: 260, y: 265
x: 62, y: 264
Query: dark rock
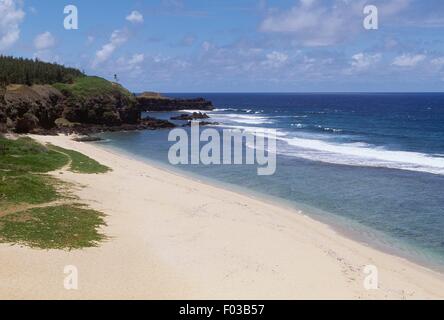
x: 156, y: 102
x: 48, y: 109
x: 26, y: 123
x: 202, y: 123
x: 3, y: 120
x: 193, y: 116
x: 42, y: 109
x: 157, y: 123
x: 87, y: 139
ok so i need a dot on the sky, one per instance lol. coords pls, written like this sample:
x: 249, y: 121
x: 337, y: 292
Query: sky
x: 237, y: 45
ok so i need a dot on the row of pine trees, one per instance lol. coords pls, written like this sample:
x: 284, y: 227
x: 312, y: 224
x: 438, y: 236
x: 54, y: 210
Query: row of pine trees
x: 28, y: 71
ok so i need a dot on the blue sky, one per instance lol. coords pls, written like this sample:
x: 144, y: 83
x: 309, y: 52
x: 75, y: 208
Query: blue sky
x: 237, y: 46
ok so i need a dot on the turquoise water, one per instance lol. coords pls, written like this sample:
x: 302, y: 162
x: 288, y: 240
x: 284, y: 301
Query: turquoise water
x: 371, y: 165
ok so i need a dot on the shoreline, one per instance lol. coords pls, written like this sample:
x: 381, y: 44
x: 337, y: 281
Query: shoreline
x: 352, y: 231
x: 178, y: 238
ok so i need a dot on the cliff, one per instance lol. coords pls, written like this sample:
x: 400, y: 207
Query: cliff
x: 46, y: 98
x: 149, y: 101
x: 87, y: 101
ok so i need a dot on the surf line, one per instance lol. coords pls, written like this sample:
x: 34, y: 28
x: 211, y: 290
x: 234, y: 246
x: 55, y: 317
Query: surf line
x: 232, y: 147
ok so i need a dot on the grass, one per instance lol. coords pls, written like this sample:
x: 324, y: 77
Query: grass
x: 26, y: 155
x: 26, y: 189
x: 91, y: 86
x: 65, y: 227
x: 81, y: 163
x: 22, y: 163
x: 24, y: 185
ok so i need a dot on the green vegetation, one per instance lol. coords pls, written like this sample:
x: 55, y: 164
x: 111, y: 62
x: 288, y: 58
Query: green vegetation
x: 34, y: 210
x: 81, y: 163
x: 29, y: 72
x: 58, y: 227
x: 26, y: 155
x: 83, y: 87
x: 26, y: 189
x: 21, y: 162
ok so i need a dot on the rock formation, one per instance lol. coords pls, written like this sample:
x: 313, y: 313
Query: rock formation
x: 149, y: 101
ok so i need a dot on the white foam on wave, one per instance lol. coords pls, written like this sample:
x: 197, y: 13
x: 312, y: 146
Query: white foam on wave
x: 242, y: 118
x: 235, y: 110
x: 362, y: 154
x: 353, y: 154
x: 258, y: 131
x: 192, y: 111
x: 329, y: 129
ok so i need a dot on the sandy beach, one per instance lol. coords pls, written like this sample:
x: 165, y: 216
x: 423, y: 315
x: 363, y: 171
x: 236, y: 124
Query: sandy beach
x: 171, y: 237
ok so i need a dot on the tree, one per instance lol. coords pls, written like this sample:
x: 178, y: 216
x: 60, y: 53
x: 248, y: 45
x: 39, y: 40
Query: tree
x: 28, y: 71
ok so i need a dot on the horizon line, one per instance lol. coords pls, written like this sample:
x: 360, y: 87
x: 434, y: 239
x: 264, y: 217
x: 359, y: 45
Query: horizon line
x: 298, y: 92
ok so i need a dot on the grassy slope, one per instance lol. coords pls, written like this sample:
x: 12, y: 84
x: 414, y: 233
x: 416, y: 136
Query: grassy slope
x: 81, y: 163
x: 92, y: 86
x: 22, y: 163
x: 57, y: 227
x: 24, y: 184
x: 25, y: 155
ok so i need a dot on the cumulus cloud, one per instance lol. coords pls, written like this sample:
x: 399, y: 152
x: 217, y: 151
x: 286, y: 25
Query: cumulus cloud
x: 363, y: 61
x: 408, y: 60
x: 321, y: 23
x: 132, y: 66
x: 438, y: 62
x: 136, y: 59
x: 90, y: 40
x: 275, y: 59
x: 118, y: 38
x: 11, y: 16
x: 44, y: 41
x: 135, y: 17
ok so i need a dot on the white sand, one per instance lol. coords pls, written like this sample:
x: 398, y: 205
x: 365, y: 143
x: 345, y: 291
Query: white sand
x: 173, y: 237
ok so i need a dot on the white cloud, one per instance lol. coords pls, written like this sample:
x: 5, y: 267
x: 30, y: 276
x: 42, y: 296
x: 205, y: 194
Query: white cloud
x: 47, y: 56
x: 313, y: 23
x: 11, y: 15
x: 132, y: 66
x: 136, y: 59
x: 324, y: 23
x: 90, y: 40
x: 363, y: 61
x: 118, y: 38
x: 275, y: 59
x: 135, y: 17
x: 44, y: 41
x: 408, y: 60
x: 439, y: 62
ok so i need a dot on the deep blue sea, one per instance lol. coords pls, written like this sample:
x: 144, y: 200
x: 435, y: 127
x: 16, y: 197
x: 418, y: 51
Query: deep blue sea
x: 371, y: 165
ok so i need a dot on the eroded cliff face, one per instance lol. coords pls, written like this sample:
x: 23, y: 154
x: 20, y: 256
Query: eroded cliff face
x: 25, y: 109
x: 149, y: 101
x: 110, y: 109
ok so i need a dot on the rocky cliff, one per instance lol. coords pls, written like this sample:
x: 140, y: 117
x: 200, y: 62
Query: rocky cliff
x: 149, y: 101
x: 87, y: 101
x: 88, y: 105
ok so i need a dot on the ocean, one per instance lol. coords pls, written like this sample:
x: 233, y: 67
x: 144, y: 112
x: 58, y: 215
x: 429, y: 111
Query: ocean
x: 370, y: 165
